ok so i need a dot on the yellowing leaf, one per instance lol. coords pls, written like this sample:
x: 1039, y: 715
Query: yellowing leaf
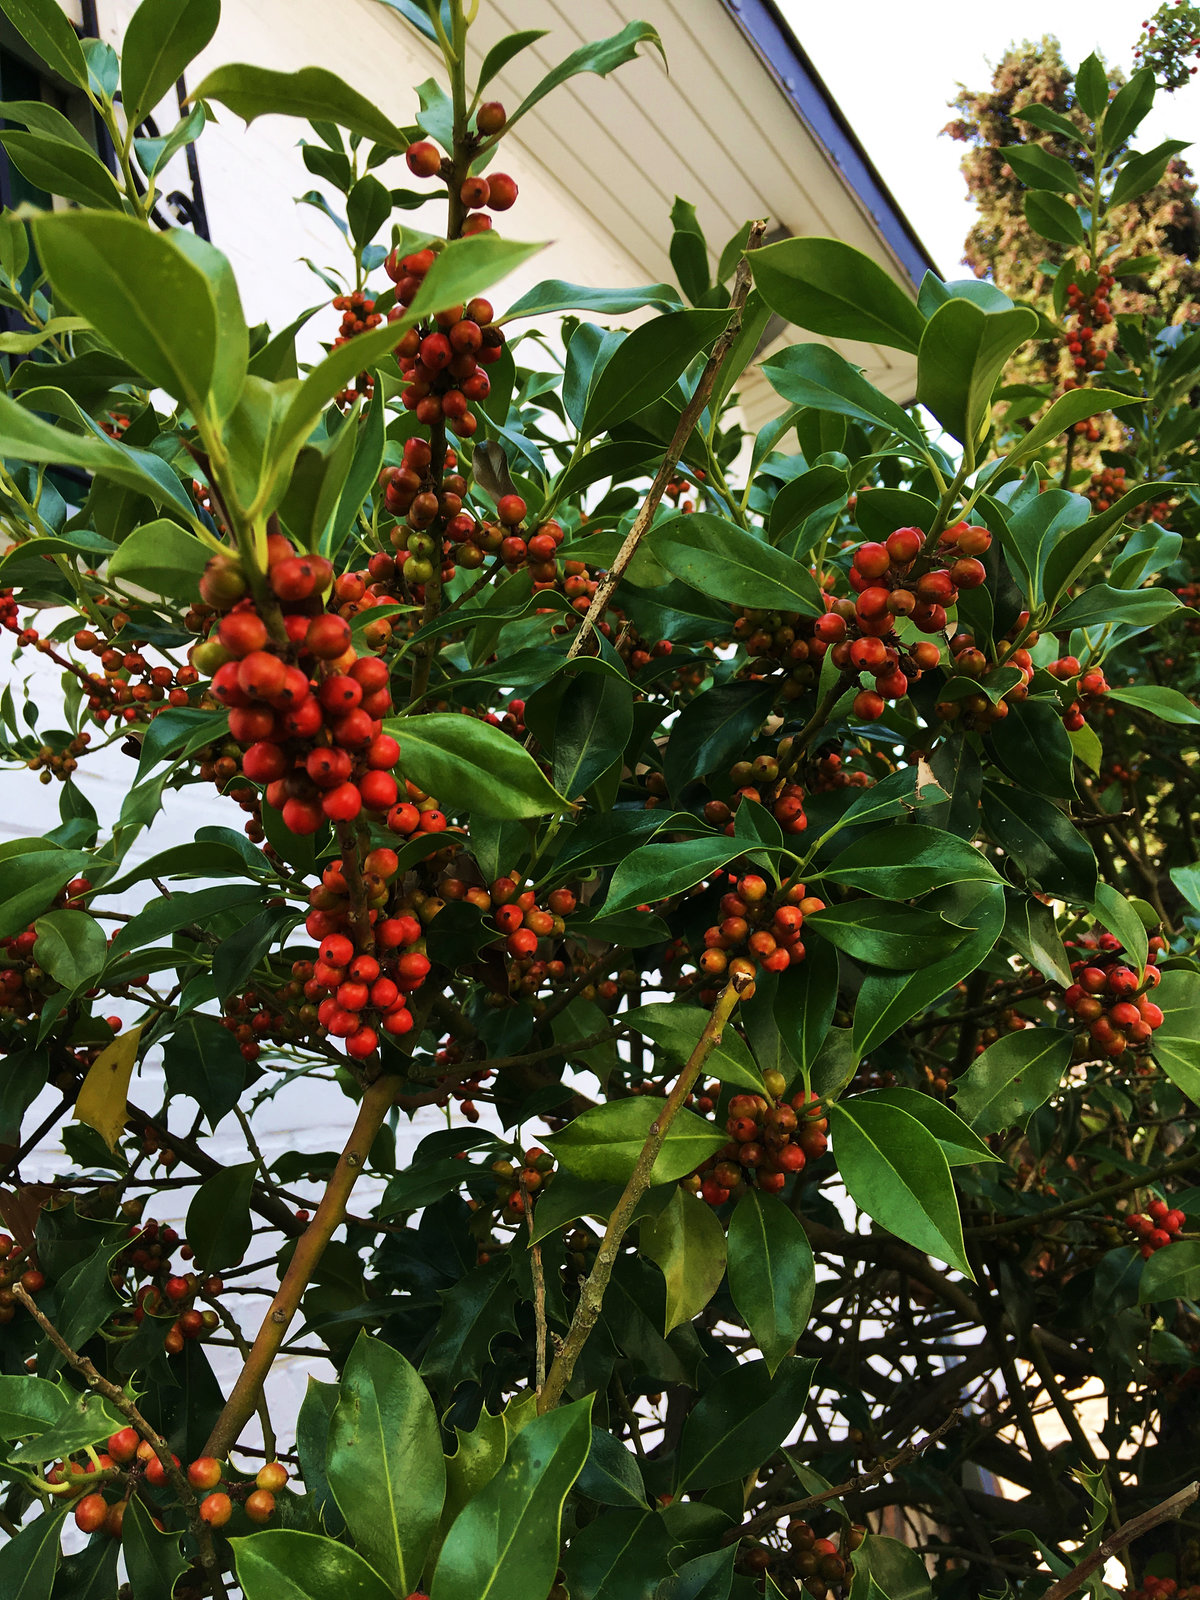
x: 101, y: 1101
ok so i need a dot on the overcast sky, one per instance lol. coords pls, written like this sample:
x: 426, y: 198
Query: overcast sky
x: 894, y: 67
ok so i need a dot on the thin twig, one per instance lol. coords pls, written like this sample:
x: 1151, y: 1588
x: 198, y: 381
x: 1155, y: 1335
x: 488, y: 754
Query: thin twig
x: 864, y: 1480
x: 539, y: 1292
x: 118, y: 1398
x: 591, y: 1296
x: 376, y: 1103
x: 1167, y: 1511
x: 669, y: 465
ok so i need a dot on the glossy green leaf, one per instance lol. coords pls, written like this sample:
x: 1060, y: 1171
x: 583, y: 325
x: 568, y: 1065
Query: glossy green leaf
x: 646, y: 364
x: 622, y: 1555
x: 814, y: 375
x: 385, y: 1464
x: 887, y: 1000
x: 713, y: 730
x: 1169, y: 705
x: 885, y: 933
x: 1068, y: 409
x: 1171, y: 1273
x: 676, y: 1030
x: 1128, y: 107
x: 1030, y: 927
x: 29, y: 1561
x: 718, y: 557
x: 829, y: 287
x: 313, y: 92
x: 554, y: 294
x: 900, y: 792
x: 741, y: 1421
x: 44, y: 27
x: 470, y: 765
x: 279, y: 1564
x: 963, y: 353
x: 602, y: 56
x: 165, y: 301
x: 611, y: 1475
x: 591, y: 728
x: 801, y: 497
x: 1176, y: 1044
x: 1053, y: 217
x: 896, y: 1171
x: 1039, y: 169
x: 1102, y: 604
x: 657, y: 871
x: 1141, y: 172
x: 162, y: 38
x: 772, y: 1276
x: 25, y: 437
x: 1032, y: 748
x: 71, y: 947
x: 603, y: 1143
x: 805, y: 1000
x: 1012, y: 1078
x: 1042, y: 840
x: 1120, y: 917
x: 29, y: 1405
x: 152, y: 1558
x: 219, y: 1226
x: 961, y: 1146
x: 160, y: 557
x: 504, y: 1544
x: 202, y: 1059
x: 907, y: 861
x: 61, y: 168
x: 687, y: 1243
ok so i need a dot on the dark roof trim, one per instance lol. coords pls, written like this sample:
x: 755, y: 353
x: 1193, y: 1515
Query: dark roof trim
x: 778, y: 48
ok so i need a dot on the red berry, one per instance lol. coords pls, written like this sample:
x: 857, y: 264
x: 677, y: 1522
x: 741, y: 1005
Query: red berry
x: 242, y: 632
x: 328, y: 636
x: 216, y: 1510
x: 90, y: 1513
x: 259, y: 1505
x: 503, y: 192
x: 490, y: 118
x: 904, y: 545
x: 204, y: 1473
x: 424, y: 159
x: 343, y: 803
x: 511, y: 510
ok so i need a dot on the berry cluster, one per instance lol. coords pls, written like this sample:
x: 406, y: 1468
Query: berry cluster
x: 128, y: 1461
x: 1107, y: 998
x: 893, y: 581
x: 477, y: 195
x: 1091, y: 687
x: 25, y: 986
x: 769, y: 1139
x: 979, y: 711
x: 820, y: 1566
x: 1167, y: 39
x: 307, y: 709
x: 780, y: 640
x: 1105, y: 486
x: 353, y: 987
x: 1155, y: 1227
x: 513, y: 1183
x: 749, y: 780
x: 15, y: 1267
x: 763, y: 933
x: 358, y: 315
x: 1088, y: 310
x: 443, y: 360
x: 167, y: 1293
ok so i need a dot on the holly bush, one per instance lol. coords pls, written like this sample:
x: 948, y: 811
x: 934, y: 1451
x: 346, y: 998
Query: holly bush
x: 761, y: 867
